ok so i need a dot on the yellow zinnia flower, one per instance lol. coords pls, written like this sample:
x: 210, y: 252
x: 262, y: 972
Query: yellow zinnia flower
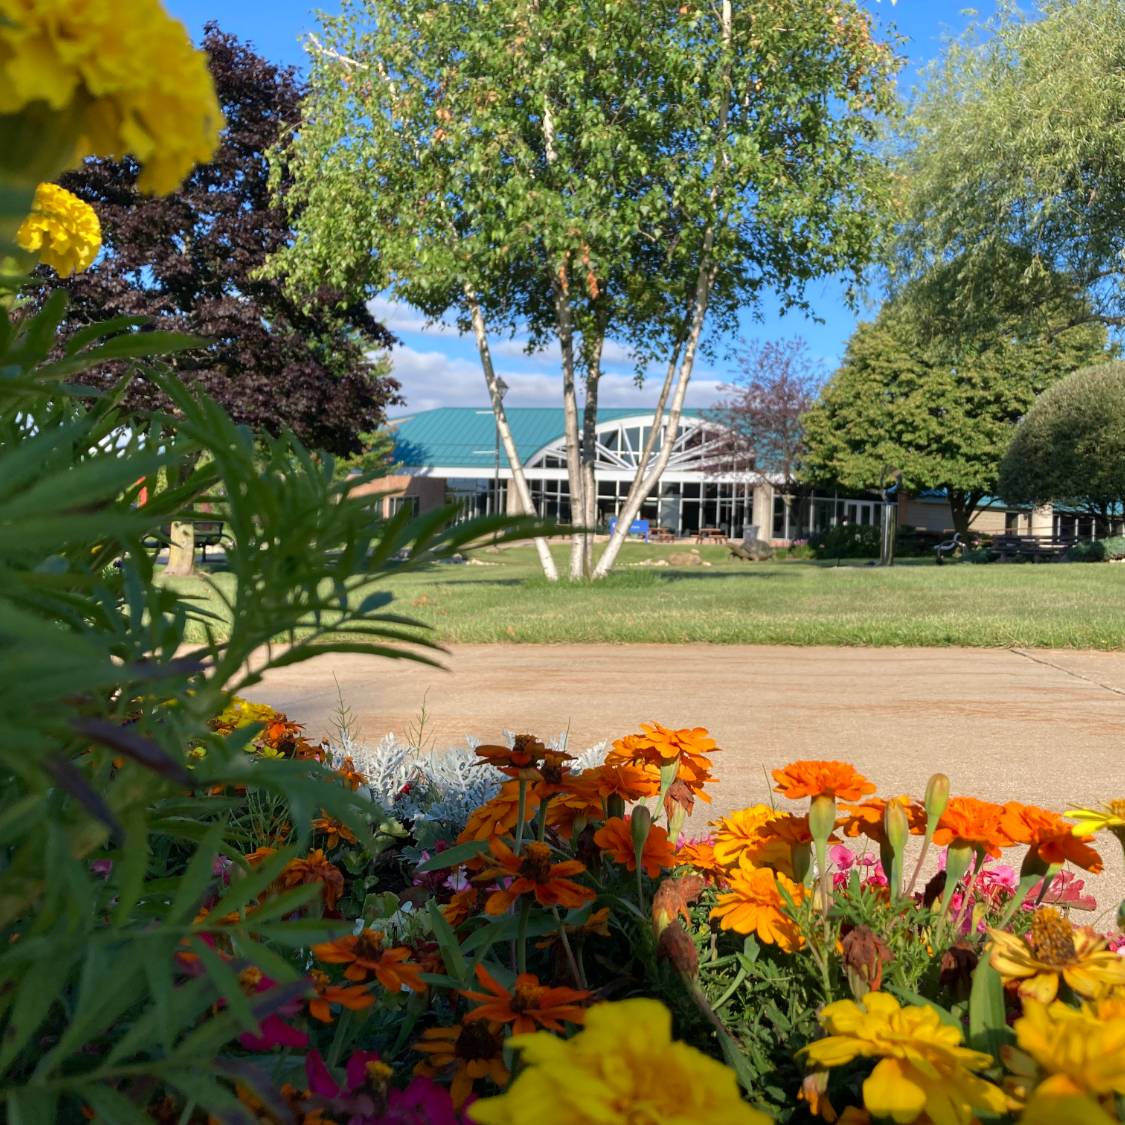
x: 923, y: 1067
x: 120, y: 76
x: 62, y: 230
x: 624, y: 1066
x: 1076, y: 1057
x: 1056, y: 950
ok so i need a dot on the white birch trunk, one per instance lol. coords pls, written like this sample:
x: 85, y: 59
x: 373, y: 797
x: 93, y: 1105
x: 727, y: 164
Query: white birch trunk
x: 519, y: 481
x: 646, y: 479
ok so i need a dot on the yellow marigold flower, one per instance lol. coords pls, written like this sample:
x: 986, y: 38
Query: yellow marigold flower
x: 754, y: 905
x: 1076, y: 1056
x: 123, y: 76
x: 922, y: 1068
x: 738, y: 831
x: 624, y: 1066
x: 1056, y: 950
x: 62, y: 230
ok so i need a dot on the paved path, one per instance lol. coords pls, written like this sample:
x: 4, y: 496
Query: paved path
x: 1047, y: 727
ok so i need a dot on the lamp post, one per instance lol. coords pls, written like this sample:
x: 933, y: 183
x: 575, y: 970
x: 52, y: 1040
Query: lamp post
x: 501, y: 391
x: 891, y: 479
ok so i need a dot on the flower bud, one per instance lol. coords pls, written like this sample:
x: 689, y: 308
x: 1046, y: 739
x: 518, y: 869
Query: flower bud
x: 937, y: 797
x: 897, y: 825
x: 639, y: 824
x: 615, y: 805
x: 822, y: 818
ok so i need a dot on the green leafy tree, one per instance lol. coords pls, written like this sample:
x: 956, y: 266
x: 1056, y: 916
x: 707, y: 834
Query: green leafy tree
x: 1015, y: 140
x: 938, y: 398
x: 584, y: 170
x: 1071, y: 446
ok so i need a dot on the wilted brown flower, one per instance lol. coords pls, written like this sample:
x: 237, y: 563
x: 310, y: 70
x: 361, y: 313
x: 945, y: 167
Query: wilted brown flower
x: 865, y: 954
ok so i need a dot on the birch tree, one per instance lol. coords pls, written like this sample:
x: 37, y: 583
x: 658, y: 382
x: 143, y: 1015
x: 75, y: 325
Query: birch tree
x: 586, y: 171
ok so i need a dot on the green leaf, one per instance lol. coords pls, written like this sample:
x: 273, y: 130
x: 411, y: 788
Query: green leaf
x: 452, y: 957
x: 988, y: 1028
x: 454, y: 856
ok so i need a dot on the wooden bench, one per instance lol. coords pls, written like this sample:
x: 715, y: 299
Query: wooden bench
x: 1038, y: 548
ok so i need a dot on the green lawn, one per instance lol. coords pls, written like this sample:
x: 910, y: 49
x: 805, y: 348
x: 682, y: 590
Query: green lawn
x: 1079, y: 605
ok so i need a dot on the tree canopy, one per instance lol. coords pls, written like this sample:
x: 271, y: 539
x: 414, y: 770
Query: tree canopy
x: 1070, y: 448
x: 584, y: 170
x: 1015, y: 140
x: 191, y: 260
x: 925, y: 393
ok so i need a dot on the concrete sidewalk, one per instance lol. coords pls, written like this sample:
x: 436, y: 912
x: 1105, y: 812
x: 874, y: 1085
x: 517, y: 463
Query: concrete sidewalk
x: 1046, y: 727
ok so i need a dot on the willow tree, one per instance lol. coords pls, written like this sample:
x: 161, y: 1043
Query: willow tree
x: 1015, y: 140
x: 584, y: 170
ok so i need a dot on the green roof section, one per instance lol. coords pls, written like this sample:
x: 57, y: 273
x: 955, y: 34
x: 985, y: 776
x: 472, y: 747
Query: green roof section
x: 464, y: 437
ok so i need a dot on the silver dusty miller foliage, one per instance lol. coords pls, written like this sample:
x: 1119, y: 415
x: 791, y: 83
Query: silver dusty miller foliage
x: 427, y: 784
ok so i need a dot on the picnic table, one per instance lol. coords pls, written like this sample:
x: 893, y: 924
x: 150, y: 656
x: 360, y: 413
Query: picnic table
x: 662, y: 535
x: 1038, y: 548
x: 710, y: 535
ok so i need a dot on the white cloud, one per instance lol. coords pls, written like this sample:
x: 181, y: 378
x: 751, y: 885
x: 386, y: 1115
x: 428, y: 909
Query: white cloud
x: 613, y: 353
x: 403, y: 318
x: 431, y: 379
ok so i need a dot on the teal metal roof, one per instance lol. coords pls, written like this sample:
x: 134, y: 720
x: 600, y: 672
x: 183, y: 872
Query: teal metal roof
x: 464, y: 437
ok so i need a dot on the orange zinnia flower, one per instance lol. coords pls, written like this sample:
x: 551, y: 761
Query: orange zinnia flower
x: 354, y: 997
x: 315, y: 868
x: 351, y: 777
x: 968, y: 822
x: 615, y: 838
x: 364, y: 954
x: 866, y: 818
x: 518, y: 760
x: 334, y: 830
x: 659, y: 746
x: 528, y: 1006
x: 259, y: 855
x: 462, y: 906
x: 467, y: 1052
x: 754, y: 905
x: 821, y: 779
x: 1048, y: 836
x: 532, y: 873
x: 499, y: 815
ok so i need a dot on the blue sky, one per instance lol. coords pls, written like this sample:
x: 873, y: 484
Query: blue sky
x: 437, y: 368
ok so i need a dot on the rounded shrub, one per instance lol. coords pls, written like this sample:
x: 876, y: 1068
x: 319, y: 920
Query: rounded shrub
x: 1071, y: 444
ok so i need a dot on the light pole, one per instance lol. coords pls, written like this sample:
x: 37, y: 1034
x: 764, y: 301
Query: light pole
x: 501, y: 391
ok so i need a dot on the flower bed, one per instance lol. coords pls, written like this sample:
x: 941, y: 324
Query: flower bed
x: 519, y: 935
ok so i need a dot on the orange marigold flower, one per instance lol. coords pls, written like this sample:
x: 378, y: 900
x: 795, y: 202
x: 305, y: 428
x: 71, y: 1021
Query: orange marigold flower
x: 464, y: 1053
x: 1049, y: 836
x: 575, y: 806
x: 334, y: 830
x: 866, y: 818
x: 498, y: 816
x: 700, y: 854
x: 968, y: 822
x: 532, y: 873
x: 354, y: 997
x: 315, y: 868
x: 528, y: 1006
x: 621, y: 779
x: 519, y: 760
x: 753, y: 905
x: 351, y: 777
x: 365, y: 954
x: 659, y: 746
x: 737, y: 831
x: 821, y: 779
x: 615, y: 838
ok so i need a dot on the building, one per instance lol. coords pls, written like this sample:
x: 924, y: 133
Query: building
x: 452, y: 454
